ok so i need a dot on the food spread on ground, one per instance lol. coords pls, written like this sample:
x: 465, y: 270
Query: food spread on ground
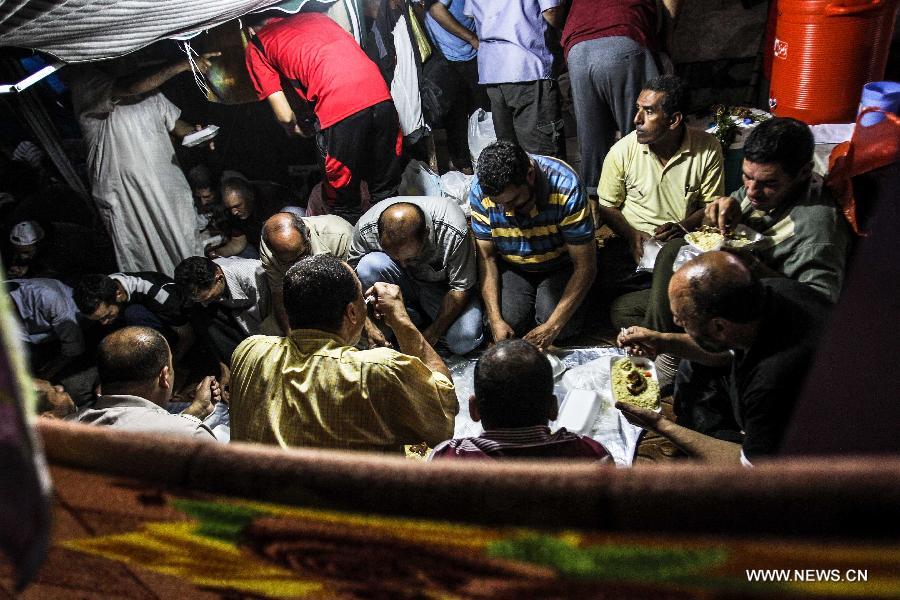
x: 705, y: 239
x: 634, y: 385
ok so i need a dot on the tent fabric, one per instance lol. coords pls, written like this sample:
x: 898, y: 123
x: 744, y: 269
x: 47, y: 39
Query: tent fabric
x: 88, y: 30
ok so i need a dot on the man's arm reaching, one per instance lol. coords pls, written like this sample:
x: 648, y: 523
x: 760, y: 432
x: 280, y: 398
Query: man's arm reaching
x: 446, y: 20
x: 695, y: 444
x: 148, y: 80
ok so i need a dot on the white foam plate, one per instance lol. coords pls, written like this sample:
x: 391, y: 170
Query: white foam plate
x: 198, y: 137
x: 578, y: 411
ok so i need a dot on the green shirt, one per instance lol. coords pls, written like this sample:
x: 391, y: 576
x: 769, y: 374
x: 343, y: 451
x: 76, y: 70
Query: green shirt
x: 806, y: 240
x: 650, y: 194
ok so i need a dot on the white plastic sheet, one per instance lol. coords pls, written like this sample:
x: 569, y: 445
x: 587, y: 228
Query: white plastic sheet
x: 405, y: 84
x: 587, y: 369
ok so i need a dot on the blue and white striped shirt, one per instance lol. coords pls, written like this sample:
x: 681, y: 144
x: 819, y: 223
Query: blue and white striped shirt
x: 537, y: 242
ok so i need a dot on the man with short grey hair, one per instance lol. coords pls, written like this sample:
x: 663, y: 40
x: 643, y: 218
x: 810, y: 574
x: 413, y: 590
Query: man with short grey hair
x: 136, y: 382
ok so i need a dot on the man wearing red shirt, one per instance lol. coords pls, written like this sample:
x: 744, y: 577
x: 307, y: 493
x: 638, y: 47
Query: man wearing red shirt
x: 358, y: 132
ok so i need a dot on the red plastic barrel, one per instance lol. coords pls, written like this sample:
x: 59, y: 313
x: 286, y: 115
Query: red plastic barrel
x: 823, y: 54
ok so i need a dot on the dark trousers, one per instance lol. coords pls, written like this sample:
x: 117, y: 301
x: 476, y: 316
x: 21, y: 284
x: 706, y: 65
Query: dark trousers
x: 702, y: 403
x: 528, y: 299
x: 220, y: 331
x: 470, y: 96
x: 617, y: 275
x: 650, y: 307
x: 529, y: 113
x: 366, y: 146
x: 79, y: 376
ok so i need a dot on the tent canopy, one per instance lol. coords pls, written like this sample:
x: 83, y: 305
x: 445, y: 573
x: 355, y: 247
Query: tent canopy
x: 89, y: 30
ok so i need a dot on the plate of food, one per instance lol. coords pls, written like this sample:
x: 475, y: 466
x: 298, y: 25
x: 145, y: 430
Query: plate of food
x: 633, y: 380
x: 742, y: 236
x: 706, y: 239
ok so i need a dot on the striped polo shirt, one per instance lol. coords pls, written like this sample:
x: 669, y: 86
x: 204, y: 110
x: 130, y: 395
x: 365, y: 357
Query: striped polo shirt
x: 537, y: 242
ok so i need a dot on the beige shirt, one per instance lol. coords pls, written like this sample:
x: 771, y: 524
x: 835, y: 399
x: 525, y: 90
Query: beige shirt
x: 650, y: 194
x: 328, y: 234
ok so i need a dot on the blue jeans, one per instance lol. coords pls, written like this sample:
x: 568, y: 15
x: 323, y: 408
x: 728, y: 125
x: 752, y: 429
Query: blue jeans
x: 423, y: 301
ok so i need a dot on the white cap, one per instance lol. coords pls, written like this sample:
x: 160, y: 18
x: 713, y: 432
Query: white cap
x: 26, y: 233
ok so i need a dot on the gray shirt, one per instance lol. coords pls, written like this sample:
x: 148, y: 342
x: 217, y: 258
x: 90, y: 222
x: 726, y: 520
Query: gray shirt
x: 246, y: 292
x: 448, y: 254
x: 47, y: 312
x: 133, y: 413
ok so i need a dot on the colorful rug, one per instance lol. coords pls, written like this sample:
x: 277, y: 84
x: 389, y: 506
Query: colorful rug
x: 120, y: 538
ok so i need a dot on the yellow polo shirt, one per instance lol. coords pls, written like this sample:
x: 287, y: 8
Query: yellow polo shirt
x: 650, y: 194
x: 312, y: 390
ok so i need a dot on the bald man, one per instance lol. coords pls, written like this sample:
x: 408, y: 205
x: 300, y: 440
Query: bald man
x: 748, y: 345
x: 425, y: 246
x: 288, y: 237
x: 136, y: 383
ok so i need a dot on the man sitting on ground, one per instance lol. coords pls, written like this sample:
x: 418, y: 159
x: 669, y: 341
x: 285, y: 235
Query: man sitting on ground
x: 655, y: 178
x: 314, y: 389
x: 425, y: 246
x: 514, y: 399
x: 747, y: 348
x: 535, y: 240
x: 52, y: 334
x: 143, y: 299
x: 235, y: 298
x: 249, y: 205
x: 805, y: 237
x: 288, y: 237
x: 203, y: 188
x: 136, y: 382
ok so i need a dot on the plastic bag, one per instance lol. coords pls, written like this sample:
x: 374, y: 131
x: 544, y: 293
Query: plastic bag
x: 419, y: 180
x: 455, y: 186
x: 870, y: 148
x: 652, y: 247
x: 481, y: 133
x: 685, y: 253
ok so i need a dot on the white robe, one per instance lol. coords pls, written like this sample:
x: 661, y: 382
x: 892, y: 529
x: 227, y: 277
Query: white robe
x: 141, y: 193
